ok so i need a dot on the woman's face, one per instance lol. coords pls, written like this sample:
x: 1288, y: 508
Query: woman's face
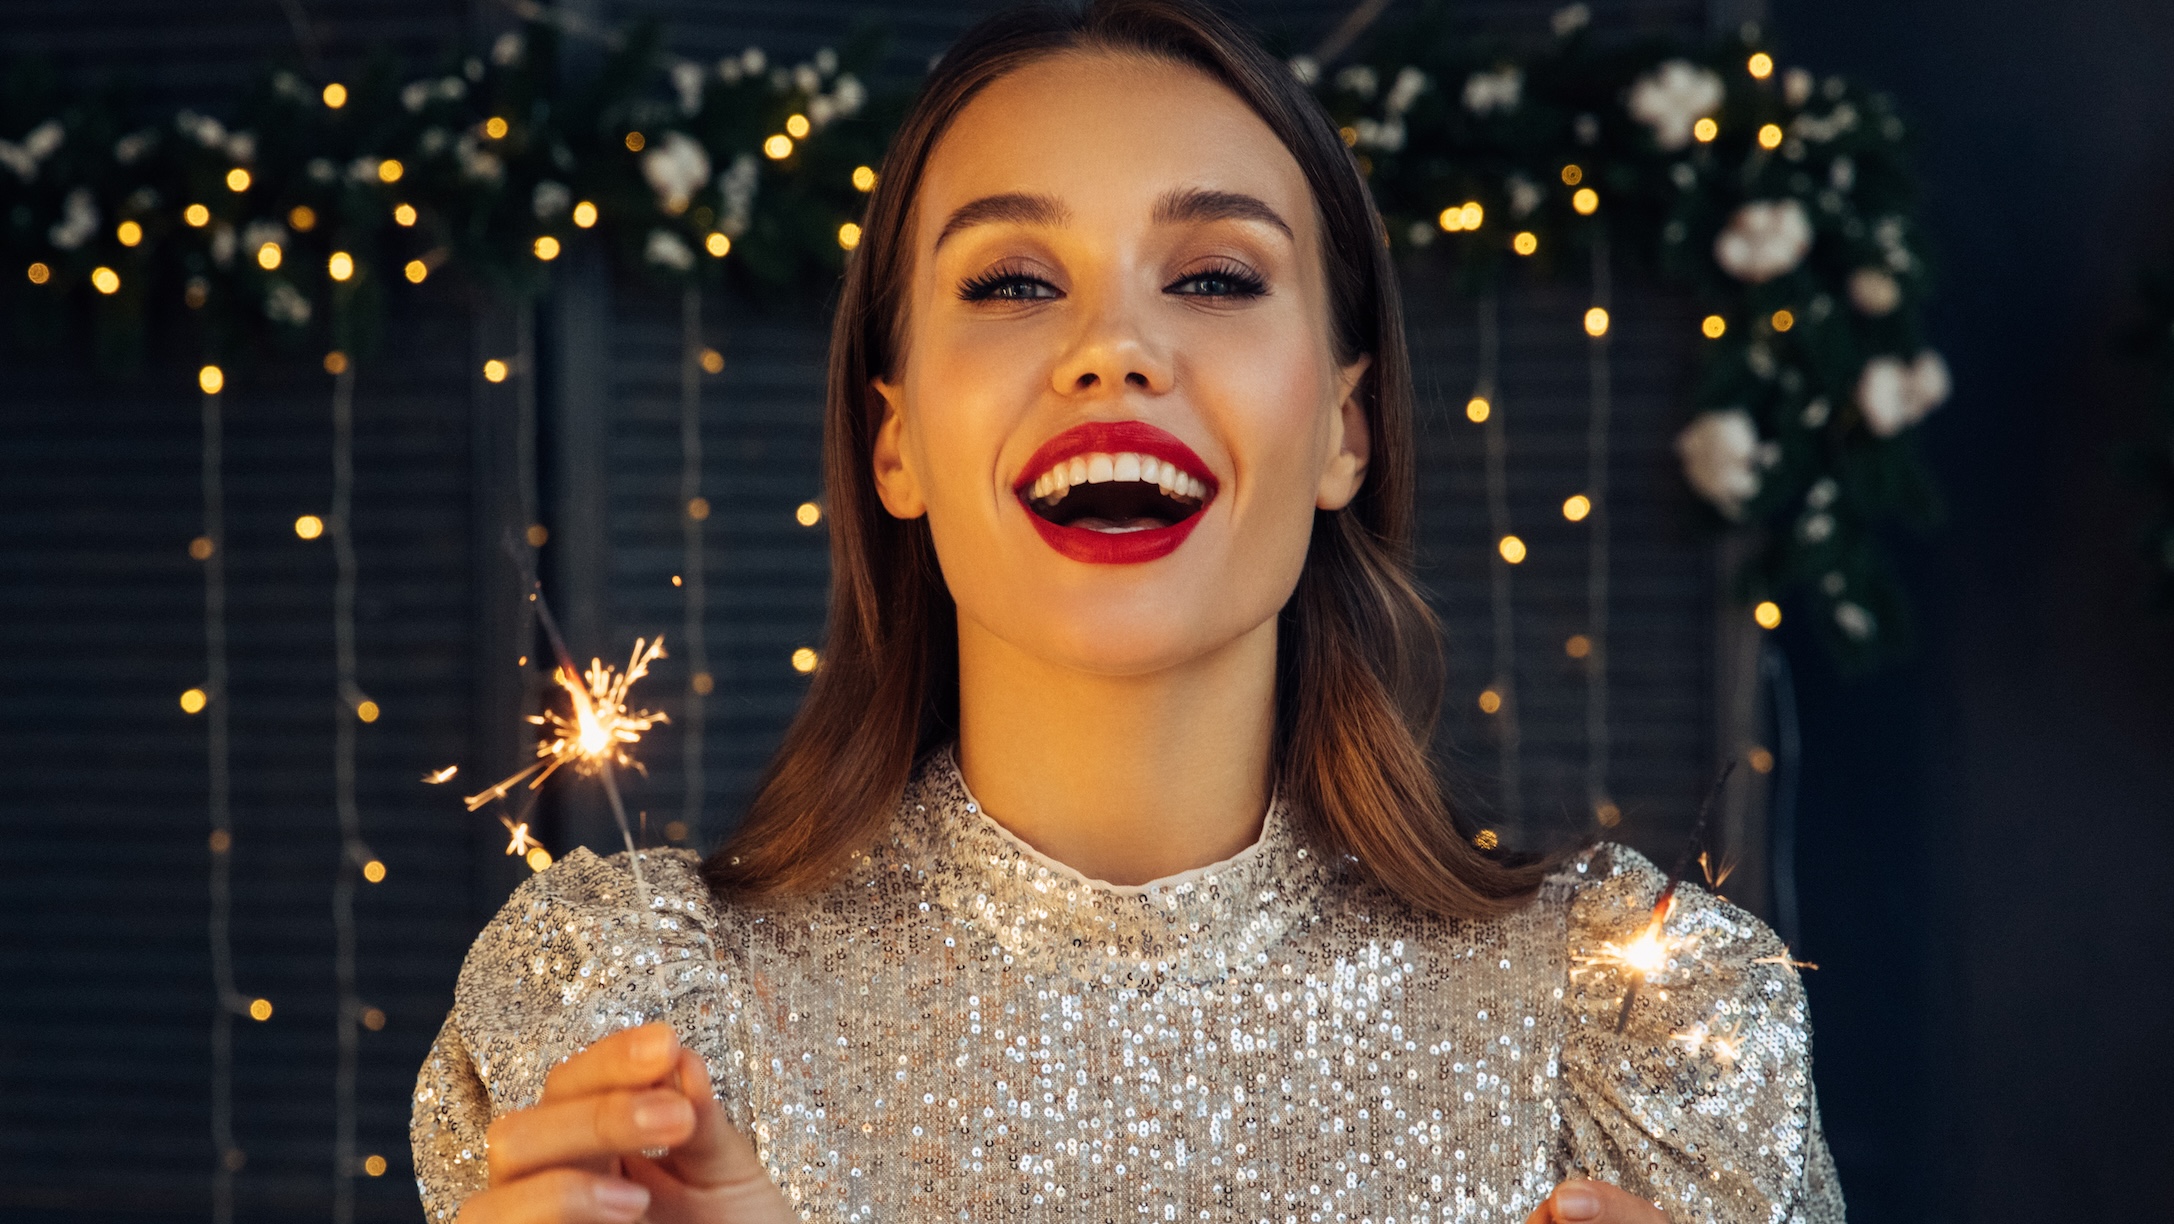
x: 1118, y: 401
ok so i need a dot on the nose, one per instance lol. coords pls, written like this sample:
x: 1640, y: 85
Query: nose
x: 1114, y: 349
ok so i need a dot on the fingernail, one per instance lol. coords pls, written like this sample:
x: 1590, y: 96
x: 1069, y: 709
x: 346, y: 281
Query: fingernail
x: 663, y: 1113
x: 621, y: 1197
x: 1576, y: 1203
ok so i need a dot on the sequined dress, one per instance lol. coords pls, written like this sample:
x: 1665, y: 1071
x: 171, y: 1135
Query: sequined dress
x: 963, y: 1029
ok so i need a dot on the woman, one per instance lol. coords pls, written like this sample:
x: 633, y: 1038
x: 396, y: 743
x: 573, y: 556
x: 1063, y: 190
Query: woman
x: 1104, y: 875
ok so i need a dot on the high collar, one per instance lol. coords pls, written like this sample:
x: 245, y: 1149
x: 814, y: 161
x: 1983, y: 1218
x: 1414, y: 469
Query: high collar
x: 1197, y: 926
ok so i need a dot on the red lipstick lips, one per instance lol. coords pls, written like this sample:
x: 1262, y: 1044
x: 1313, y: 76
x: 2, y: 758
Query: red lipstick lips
x: 1115, y: 437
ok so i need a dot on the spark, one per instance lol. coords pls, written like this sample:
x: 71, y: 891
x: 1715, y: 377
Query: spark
x: 439, y: 777
x: 1783, y: 958
x: 1725, y: 1044
x: 522, y: 841
x: 1715, y: 879
x: 599, y: 730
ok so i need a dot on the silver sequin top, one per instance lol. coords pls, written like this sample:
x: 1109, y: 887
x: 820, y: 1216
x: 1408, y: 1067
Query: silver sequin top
x: 963, y: 1029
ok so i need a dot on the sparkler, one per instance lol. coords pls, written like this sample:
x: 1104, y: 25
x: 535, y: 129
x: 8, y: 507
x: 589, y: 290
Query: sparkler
x: 1653, y: 946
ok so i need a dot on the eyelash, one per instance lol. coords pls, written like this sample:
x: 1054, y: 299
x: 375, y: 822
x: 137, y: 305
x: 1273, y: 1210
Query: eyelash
x: 989, y: 286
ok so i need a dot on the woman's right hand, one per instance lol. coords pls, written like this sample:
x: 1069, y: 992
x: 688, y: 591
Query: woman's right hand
x: 576, y: 1156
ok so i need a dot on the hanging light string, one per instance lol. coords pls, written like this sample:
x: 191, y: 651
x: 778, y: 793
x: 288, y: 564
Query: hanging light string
x: 1599, y: 802
x: 350, y: 707
x: 1509, y: 735
x: 693, y: 359
x: 228, y: 1002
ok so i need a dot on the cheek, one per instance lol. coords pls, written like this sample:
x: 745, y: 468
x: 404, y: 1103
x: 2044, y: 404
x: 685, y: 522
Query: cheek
x: 1268, y: 389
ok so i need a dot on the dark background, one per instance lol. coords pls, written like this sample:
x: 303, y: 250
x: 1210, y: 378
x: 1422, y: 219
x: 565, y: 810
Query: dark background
x: 1980, y: 826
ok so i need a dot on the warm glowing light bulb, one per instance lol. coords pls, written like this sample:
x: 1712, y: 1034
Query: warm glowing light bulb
x: 703, y: 684
x: 698, y: 508
x: 718, y: 244
x: 494, y: 370
x: 39, y: 273
x: 105, y: 280
x: 1760, y: 759
x: 808, y: 514
x: 538, y: 858
x: 713, y: 362
x: 390, y: 170
x: 212, y: 379
x: 374, y: 871
x: 340, y: 266
x: 584, y: 214
x: 1490, y: 701
x: 194, y: 700
x: 403, y: 215
x: 849, y: 235
x: 1477, y: 409
x: 635, y: 141
x: 201, y: 548
x: 1767, y: 613
x: 367, y: 710
x: 1760, y: 65
x: 260, y: 1009
x: 1783, y: 320
x: 1586, y: 201
x: 309, y: 526
x: 1578, y: 646
x: 237, y: 180
x: 335, y: 95
x: 864, y: 178
x: 129, y: 232
x: 1596, y: 322
x: 495, y: 128
x: 796, y: 126
x: 1452, y: 219
x: 415, y: 271
x: 335, y: 362
x: 1525, y: 243
x: 778, y: 148
x: 1714, y: 326
x: 302, y: 218
x: 1487, y: 839
x: 1473, y: 214
x: 1576, y: 507
x: 805, y: 660
x: 547, y: 248
x: 374, y: 1165
x: 1770, y: 136
x: 196, y: 215
x: 269, y: 255
x: 1512, y: 550
x: 1705, y: 130
x: 1573, y: 175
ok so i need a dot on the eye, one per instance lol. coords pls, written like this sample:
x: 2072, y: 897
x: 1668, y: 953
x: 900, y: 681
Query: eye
x: 1222, y: 281
x: 1007, y: 285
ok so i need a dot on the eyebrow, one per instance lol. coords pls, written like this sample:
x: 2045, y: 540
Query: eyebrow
x: 1184, y: 205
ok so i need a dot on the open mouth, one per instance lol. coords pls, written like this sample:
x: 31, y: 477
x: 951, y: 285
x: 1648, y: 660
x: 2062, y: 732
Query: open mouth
x: 1115, y: 492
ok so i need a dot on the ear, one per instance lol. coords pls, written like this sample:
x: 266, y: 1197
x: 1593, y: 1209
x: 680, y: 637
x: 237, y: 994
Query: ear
x: 896, y: 485
x: 1350, y: 442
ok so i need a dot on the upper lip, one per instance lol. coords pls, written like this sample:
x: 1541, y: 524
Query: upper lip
x: 1115, y: 437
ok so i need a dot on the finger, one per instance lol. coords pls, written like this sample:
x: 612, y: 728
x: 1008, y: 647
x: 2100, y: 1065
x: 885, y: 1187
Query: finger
x: 715, y: 1154
x: 629, y: 1058
x: 1593, y: 1202
x: 559, y: 1196
x: 586, y: 1128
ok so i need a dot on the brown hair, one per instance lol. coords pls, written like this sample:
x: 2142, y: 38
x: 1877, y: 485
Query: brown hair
x: 1360, y: 668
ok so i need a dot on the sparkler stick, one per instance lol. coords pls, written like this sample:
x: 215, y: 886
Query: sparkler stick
x: 1650, y: 951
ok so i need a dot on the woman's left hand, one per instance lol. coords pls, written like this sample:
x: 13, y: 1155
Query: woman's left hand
x: 1592, y: 1202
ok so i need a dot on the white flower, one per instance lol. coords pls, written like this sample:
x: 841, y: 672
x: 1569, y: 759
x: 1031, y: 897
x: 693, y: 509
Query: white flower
x: 203, y: 129
x: 1569, y: 19
x: 668, y: 250
x: 1525, y: 195
x: 285, y: 305
x: 128, y: 149
x: 1874, y: 292
x: 1856, y: 623
x: 1817, y: 130
x: 36, y: 145
x: 362, y: 170
x: 728, y: 70
x: 687, y: 80
x: 452, y: 88
x: 675, y: 169
x: 550, y: 199
x: 242, y: 146
x: 1420, y: 234
x: 472, y: 68
x: 1306, y: 69
x: 506, y: 52
x: 1796, y: 87
x: 78, y: 220
x: 476, y: 161
x: 1405, y: 90
x: 849, y: 94
x: 222, y: 245
x: 1385, y: 134
x: 806, y: 79
x: 826, y: 60
x: 736, y: 191
x: 321, y: 170
x: 1721, y: 458
x: 1894, y: 395
x: 415, y: 95
x: 1765, y: 239
x: 752, y: 60
x: 433, y: 141
x: 1358, y: 79
x: 1672, y: 98
x: 1500, y: 90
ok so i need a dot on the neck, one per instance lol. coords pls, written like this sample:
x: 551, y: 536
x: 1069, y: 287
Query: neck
x: 1121, y: 778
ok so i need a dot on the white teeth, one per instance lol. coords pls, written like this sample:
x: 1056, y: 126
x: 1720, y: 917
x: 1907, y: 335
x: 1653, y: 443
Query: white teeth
x: 1126, y: 466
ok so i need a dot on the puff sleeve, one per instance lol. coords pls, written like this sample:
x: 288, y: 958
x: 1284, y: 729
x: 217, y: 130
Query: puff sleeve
x: 1704, y: 1103
x: 565, y: 962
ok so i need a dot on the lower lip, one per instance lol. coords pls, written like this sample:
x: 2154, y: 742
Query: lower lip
x: 1115, y: 547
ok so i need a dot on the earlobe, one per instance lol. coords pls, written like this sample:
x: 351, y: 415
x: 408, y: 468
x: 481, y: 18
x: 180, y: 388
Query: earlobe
x: 1350, y: 444
x: 896, y: 485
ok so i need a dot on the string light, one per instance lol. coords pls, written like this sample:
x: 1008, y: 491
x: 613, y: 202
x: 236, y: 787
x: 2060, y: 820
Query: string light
x: 260, y: 1009
x: 713, y: 362
x: 1525, y: 243
x: 808, y: 514
x: 1512, y: 549
x: 211, y: 380
x: 1487, y: 839
x: 340, y: 266
x: 374, y: 871
x: 1573, y: 175
x: 634, y: 142
x: 1596, y: 321
x: 1760, y: 759
x: 390, y: 170
x: 1714, y: 326
x: 537, y: 859
x: 1768, y: 614
x: 778, y: 148
x: 584, y: 215
x: 200, y: 548
x: 1586, y: 201
x: 373, y: 1019
x: 1783, y: 320
x: 1705, y: 130
x: 237, y: 180
x: 302, y: 218
x: 1576, y: 507
x: 796, y: 126
x: 1490, y: 701
x: 129, y: 233
x: 269, y: 255
x: 494, y: 371
x: 415, y: 271
x: 335, y: 95
x: 335, y: 362
x: 547, y: 248
x: 1578, y: 646
x: 806, y: 660
x: 1466, y: 216
x: 537, y: 535
x: 849, y: 235
x: 403, y: 215
x: 1770, y: 135
x: 1760, y: 65
x: 367, y: 710
x: 718, y: 244
x: 196, y: 215
x: 374, y: 1165
x: 1476, y: 409
x: 309, y: 526
x: 864, y: 179
x: 39, y: 274
x: 193, y: 701
x: 698, y: 508
x: 495, y: 128
x: 105, y: 280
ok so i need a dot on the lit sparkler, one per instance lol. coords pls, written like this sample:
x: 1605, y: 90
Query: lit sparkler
x: 439, y: 777
x: 1653, y: 947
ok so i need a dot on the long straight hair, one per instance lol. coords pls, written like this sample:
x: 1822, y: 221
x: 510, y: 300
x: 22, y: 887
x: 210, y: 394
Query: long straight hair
x: 1360, y: 666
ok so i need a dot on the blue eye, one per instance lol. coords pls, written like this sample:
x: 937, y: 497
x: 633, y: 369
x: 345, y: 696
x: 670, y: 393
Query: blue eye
x: 1002, y: 286
x: 1225, y: 282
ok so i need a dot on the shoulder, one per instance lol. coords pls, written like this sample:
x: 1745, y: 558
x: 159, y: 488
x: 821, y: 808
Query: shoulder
x: 572, y: 957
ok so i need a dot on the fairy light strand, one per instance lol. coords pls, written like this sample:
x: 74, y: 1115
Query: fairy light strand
x: 348, y: 704
x: 1598, y: 802
x: 692, y: 565
x: 228, y: 1001
x: 1509, y: 735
